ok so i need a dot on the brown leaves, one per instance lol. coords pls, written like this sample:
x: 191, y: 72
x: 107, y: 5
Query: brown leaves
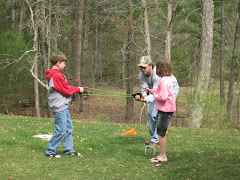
x: 82, y: 139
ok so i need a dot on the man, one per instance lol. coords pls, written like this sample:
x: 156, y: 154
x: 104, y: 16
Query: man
x: 149, y: 79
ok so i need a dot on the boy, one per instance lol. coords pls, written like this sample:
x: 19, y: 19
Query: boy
x: 59, y: 96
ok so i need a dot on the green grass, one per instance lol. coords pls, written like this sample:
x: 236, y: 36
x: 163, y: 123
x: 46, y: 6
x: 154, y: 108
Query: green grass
x: 192, y: 153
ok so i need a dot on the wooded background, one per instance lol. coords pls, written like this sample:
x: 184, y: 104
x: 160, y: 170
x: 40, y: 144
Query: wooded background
x: 103, y: 41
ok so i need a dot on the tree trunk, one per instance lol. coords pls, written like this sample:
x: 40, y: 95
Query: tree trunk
x: 86, y: 30
x: 22, y: 13
x: 222, y: 53
x: 238, y: 100
x: 56, y: 33
x: 78, y: 48
x: 13, y: 13
x: 168, y: 30
x: 78, y: 42
x: 233, y: 67
x: 34, y: 68
x: 41, y: 37
x: 85, y: 46
x: 48, y: 30
x: 169, y: 22
x: 42, y: 49
x: 81, y: 55
x: 203, y: 76
x: 100, y: 58
x: 36, y: 92
x: 35, y: 61
x: 129, y: 64
x: 97, y: 59
x: 146, y: 29
x: 123, y: 63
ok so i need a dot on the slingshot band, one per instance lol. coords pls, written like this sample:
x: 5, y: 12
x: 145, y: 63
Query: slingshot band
x: 107, y: 95
x: 108, y: 91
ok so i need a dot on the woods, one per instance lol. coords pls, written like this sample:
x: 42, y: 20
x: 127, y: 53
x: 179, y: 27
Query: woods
x: 104, y: 40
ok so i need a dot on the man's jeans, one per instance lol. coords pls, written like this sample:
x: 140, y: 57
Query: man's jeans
x: 152, y: 121
x: 62, y: 133
x: 175, y: 89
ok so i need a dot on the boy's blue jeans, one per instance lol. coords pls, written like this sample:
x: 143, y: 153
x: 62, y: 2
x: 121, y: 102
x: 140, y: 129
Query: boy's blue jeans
x: 62, y: 133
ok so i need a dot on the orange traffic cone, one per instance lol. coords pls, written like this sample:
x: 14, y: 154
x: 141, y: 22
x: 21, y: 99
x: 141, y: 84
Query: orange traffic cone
x: 131, y: 132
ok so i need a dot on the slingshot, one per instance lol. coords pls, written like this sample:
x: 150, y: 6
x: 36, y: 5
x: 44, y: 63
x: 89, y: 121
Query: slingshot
x: 88, y: 92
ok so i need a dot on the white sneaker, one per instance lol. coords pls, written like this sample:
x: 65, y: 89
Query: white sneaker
x: 53, y: 155
x: 75, y: 154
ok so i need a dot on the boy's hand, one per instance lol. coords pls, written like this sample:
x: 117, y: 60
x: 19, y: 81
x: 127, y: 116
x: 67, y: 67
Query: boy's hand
x: 81, y: 89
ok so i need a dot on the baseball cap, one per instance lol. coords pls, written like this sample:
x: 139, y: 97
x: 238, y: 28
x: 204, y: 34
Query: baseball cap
x: 145, y: 61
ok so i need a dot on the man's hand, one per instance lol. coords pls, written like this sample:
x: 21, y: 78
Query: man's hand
x: 140, y: 98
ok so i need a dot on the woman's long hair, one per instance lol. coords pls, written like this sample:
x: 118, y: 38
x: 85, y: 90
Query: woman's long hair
x: 164, y: 67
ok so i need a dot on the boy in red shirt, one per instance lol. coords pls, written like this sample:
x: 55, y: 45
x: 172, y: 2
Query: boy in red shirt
x: 59, y: 96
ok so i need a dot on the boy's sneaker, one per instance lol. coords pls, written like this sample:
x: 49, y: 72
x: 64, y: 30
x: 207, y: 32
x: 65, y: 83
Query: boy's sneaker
x: 74, y: 154
x: 53, y: 155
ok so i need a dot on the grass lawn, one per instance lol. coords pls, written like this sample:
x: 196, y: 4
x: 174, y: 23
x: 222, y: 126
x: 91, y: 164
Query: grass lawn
x: 192, y: 153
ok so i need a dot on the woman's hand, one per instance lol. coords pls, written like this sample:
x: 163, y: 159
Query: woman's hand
x: 149, y: 91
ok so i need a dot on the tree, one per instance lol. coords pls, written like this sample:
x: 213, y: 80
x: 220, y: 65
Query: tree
x: 203, y: 76
x: 21, y: 17
x: 42, y: 48
x: 77, y: 46
x: 34, y: 69
x: 129, y: 64
x: 146, y: 29
x: 97, y: 64
x: 123, y: 62
x: 78, y: 41
x: 49, y: 25
x: 233, y: 67
x: 222, y: 53
x: 168, y: 30
x: 169, y: 22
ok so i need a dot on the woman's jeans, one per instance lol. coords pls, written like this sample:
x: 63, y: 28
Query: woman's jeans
x: 163, y: 120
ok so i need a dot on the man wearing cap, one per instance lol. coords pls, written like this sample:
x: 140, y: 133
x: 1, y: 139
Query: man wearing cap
x: 149, y: 79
